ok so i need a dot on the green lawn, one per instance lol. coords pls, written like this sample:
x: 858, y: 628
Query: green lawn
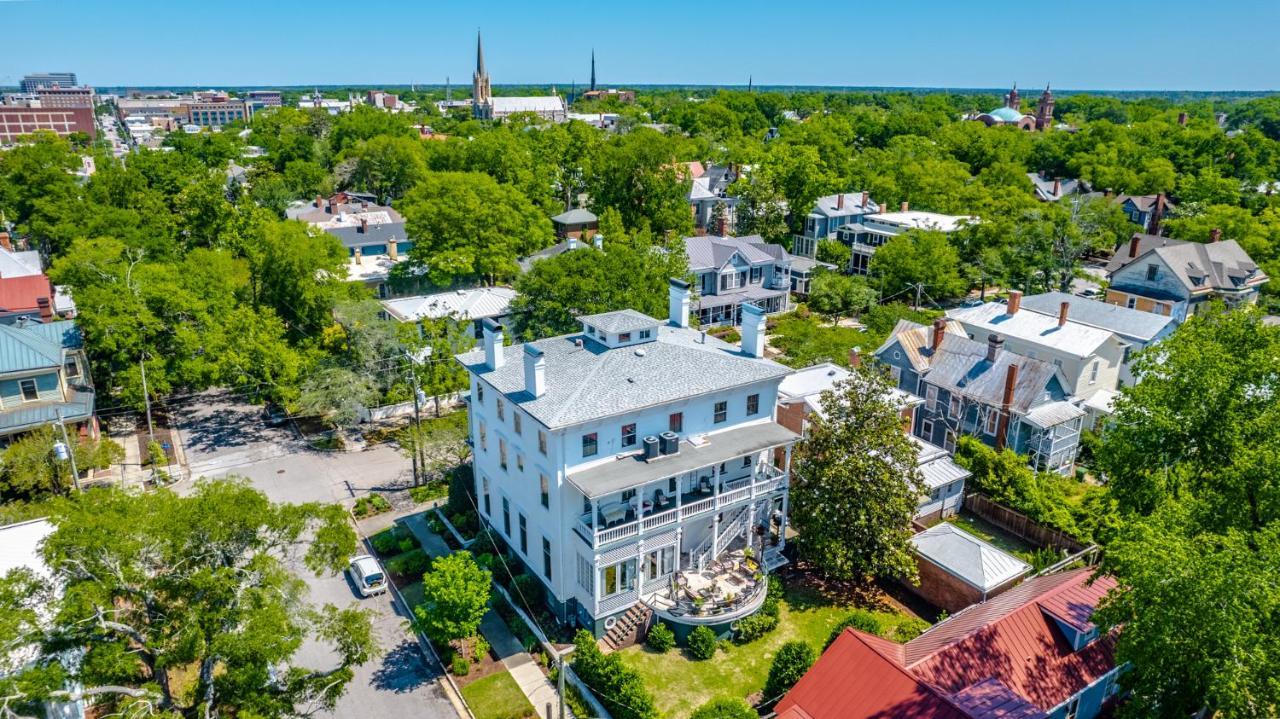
x: 807, y: 341
x: 497, y: 696
x: 680, y: 685
x: 986, y: 531
x: 412, y: 594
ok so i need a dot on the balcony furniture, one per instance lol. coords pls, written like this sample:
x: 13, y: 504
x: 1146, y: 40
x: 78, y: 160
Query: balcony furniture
x: 613, y: 512
x: 661, y: 500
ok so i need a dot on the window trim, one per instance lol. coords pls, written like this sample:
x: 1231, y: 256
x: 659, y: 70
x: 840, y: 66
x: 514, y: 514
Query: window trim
x: 753, y: 404
x: 720, y: 412
x: 675, y: 422
x: 592, y: 440
x: 544, y: 489
x: 628, y: 433
x: 35, y: 389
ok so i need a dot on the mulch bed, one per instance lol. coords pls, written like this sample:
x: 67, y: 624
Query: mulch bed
x: 801, y: 578
x: 487, y: 666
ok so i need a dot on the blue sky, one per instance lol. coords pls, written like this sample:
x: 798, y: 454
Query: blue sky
x: 1079, y: 44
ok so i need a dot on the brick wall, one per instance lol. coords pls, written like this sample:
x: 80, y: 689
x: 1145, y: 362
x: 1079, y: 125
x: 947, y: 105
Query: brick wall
x: 943, y: 590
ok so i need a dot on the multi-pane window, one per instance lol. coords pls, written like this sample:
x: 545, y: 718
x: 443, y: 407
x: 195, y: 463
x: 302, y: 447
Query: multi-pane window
x: 675, y: 422
x: 484, y: 438
x: 1093, y: 372
x: 502, y: 452
x: 501, y: 409
x: 931, y: 398
x: 542, y: 442
x: 629, y: 435
x: 753, y: 404
x: 993, y: 419
x: 1153, y: 271
x: 757, y: 274
x: 488, y: 507
x: 506, y: 517
x: 546, y: 558
x: 479, y: 393
x: 624, y: 337
x: 524, y: 536
x: 515, y: 421
x: 722, y: 412
x: 590, y: 444
x: 586, y: 574
x: 545, y: 489
x: 29, y: 391
x: 646, y: 334
x: 954, y: 413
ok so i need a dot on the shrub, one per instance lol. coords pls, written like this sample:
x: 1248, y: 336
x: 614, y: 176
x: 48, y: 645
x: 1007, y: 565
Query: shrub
x: 860, y: 619
x: 661, y: 638
x: 369, y: 505
x: 385, y: 542
x: 620, y: 689
x: 791, y: 662
x: 755, y: 626
x: 407, y: 544
x: 702, y: 643
x: 462, y: 498
x: 459, y: 666
x: 480, y: 648
x: 725, y: 708
x: 413, y: 563
x: 910, y: 629
x: 429, y: 491
x: 156, y: 454
x: 530, y: 589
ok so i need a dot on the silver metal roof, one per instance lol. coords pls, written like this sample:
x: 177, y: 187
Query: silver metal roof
x: 1130, y: 323
x: 968, y: 558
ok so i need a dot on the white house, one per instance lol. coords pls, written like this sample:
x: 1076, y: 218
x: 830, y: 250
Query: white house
x: 621, y: 460
x: 873, y: 230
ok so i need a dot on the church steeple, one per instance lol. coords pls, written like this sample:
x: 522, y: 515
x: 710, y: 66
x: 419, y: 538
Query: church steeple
x: 481, y: 93
x: 593, y: 69
x: 1044, y: 111
x: 1012, y: 100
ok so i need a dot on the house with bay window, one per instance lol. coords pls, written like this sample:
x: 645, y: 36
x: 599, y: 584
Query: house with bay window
x: 631, y: 465
x: 732, y: 271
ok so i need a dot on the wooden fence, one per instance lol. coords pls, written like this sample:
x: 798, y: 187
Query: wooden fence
x: 1019, y: 524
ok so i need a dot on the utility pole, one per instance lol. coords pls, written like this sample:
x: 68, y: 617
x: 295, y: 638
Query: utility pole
x: 71, y: 452
x: 919, y: 290
x: 418, y: 399
x: 146, y: 397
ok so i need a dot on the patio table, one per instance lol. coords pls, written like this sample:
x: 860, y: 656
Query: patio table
x: 613, y: 514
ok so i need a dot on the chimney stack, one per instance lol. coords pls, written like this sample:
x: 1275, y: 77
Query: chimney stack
x: 995, y: 343
x: 1215, y: 235
x: 1015, y: 302
x: 939, y: 331
x: 905, y: 206
x: 493, y: 355
x: 46, y: 309
x: 364, y: 226
x: 319, y: 202
x: 1133, y: 246
x: 753, y: 330
x: 535, y: 371
x: 855, y: 357
x: 1010, y: 382
x: 866, y: 199
x: 1057, y: 187
x: 678, y: 302
x: 1063, y: 309
x: 840, y: 201
x: 393, y: 251
x: 5, y: 242
x: 358, y: 255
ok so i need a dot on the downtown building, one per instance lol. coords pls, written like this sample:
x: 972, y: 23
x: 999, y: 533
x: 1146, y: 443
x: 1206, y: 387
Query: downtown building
x: 635, y: 466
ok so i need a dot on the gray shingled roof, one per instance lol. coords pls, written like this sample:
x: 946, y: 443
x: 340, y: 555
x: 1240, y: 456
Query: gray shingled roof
x: 576, y: 216
x: 1220, y: 265
x: 375, y: 235
x: 1123, y: 321
x: 711, y: 252
x: 620, y: 321
x: 589, y: 382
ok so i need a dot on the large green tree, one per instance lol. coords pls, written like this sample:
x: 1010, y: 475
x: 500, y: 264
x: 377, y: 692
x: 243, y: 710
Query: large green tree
x: 856, y: 483
x: 455, y: 597
x: 918, y: 256
x: 182, y: 606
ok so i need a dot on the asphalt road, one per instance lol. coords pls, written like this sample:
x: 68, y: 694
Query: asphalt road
x: 224, y: 436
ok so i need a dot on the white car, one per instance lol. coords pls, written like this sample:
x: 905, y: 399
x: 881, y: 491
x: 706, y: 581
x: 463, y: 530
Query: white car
x: 367, y: 575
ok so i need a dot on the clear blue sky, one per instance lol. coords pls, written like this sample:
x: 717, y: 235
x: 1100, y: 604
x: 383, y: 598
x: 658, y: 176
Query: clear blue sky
x: 1078, y: 44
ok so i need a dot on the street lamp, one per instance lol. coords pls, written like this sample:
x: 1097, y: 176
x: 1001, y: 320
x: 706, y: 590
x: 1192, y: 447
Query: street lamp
x: 63, y: 452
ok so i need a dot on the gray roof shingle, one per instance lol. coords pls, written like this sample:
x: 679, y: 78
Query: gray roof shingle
x: 711, y: 252
x: 620, y: 321
x: 1123, y: 321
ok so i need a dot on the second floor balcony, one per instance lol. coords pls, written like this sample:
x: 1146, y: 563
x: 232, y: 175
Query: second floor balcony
x: 629, y: 497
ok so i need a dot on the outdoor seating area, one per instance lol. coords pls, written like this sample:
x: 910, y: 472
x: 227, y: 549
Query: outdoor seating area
x: 727, y: 586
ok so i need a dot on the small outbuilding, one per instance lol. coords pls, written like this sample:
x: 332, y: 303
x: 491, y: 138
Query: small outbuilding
x: 958, y: 569
x: 576, y: 223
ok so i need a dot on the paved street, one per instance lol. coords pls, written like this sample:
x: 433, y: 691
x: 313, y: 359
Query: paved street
x: 225, y: 436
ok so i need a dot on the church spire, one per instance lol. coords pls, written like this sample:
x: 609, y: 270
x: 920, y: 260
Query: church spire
x: 479, y: 55
x: 481, y: 93
x: 593, y: 69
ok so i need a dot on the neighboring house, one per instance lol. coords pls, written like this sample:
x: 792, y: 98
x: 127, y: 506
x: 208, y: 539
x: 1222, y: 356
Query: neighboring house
x: 957, y: 569
x: 568, y: 244
x: 621, y: 460
x: 982, y: 390
x: 1176, y: 278
x: 1053, y: 189
x: 374, y: 235
x: 730, y: 272
x: 1090, y: 358
x: 16, y: 264
x: 1137, y: 329
x: 873, y: 230
x: 708, y: 187
x: 1030, y: 653
x: 44, y: 377
x: 26, y: 298
x: 473, y: 305
x: 800, y: 397
x: 829, y: 214
x: 575, y: 223
x: 802, y: 272
x: 1148, y: 211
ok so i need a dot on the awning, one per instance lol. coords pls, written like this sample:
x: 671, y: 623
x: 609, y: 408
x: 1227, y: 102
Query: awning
x: 1053, y: 414
x: 632, y: 471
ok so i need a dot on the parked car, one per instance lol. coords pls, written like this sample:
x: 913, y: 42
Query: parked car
x: 1090, y: 293
x: 367, y: 575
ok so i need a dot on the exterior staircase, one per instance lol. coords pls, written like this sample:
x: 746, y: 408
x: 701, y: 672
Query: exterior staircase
x: 630, y: 629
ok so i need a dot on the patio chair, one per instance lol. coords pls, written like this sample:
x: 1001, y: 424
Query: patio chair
x: 660, y: 501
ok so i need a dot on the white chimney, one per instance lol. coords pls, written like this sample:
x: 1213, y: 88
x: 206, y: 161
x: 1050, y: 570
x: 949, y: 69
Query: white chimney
x: 753, y: 329
x: 678, y: 303
x: 535, y: 371
x: 493, y: 355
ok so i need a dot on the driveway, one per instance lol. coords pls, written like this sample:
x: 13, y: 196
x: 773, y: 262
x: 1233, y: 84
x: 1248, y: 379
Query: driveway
x: 224, y: 435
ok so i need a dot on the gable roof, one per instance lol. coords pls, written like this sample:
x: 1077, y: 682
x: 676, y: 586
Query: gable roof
x: 1074, y: 338
x: 23, y: 350
x: 711, y: 252
x: 1199, y: 266
x: 372, y: 235
x: 21, y: 294
x: 1126, y: 322
x: 19, y: 264
x: 1143, y: 203
x: 1043, y: 186
x: 968, y: 558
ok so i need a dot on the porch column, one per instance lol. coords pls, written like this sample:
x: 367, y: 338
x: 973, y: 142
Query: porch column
x: 782, y: 524
x: 715, y: 518
x: 751, y: 526
x: 786, y: 467
x: 680, y: 547
x: 595, y: 585
x: 640, y: 579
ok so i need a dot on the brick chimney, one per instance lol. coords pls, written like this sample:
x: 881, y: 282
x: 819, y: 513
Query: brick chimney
x: 995, y: 343
x: 855, y: 357
x: 866, y: 199
x: 1157, y: 214
x: 939, y: 330
x: 319, y: 202
x: 1133, y: 245
x: 1215, y: 235
x: 5, y: 242
x: 1006, y: 404
x: 1063, y: 309
x: 840, y: 201
x: 393, y: 250
x: 1015, y: 302
x: 1057, y: 187
x: 46, y: 308
x: 364, y: 225
x: 905, y: 206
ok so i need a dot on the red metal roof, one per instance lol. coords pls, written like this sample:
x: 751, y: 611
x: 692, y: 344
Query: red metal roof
x: 18, y: 294
x: 1004, y: 659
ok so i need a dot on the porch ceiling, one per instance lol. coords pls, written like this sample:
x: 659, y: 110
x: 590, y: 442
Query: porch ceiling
x: 632, y: 471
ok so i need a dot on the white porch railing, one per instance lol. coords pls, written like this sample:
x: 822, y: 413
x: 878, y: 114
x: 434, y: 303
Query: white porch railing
x: 617, y: 602
x: 654, y: 521
x: 698, y: 507
x: 737, y: 495
x: 604, y: 536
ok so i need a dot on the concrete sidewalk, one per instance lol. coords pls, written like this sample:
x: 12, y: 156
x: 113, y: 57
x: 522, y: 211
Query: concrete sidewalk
x: 519, y: 663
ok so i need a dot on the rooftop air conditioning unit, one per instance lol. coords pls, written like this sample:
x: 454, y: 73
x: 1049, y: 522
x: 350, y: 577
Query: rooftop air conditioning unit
x: 670, y: 443
x: 651, y: 450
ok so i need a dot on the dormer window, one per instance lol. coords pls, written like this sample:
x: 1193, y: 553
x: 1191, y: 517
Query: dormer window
x: 624, y: 337
x: 1153, y: 271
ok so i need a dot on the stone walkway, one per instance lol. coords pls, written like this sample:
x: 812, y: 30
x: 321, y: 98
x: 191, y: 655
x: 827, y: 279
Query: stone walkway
x: 521, y: 665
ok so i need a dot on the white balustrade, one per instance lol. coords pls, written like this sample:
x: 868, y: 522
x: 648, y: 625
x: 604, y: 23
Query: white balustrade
x: 698, y: 507
x: 659, y: 520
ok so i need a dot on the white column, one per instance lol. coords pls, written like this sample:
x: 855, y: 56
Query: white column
x: 640, y: 579
x: 782, y: 525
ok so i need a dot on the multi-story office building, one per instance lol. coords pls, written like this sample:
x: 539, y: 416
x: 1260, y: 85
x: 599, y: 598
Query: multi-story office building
x: 25, y: 116
x: 210, y: 109
x: 635, y: 465
x: 65, y: 96
x: 259, y: 99
x: 35, y: 81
